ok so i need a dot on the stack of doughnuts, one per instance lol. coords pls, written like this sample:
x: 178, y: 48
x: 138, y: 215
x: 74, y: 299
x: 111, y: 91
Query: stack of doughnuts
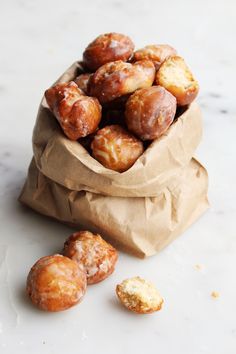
x: 123, y: 99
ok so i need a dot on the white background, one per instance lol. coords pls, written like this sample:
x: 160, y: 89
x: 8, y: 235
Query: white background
x: 38, y: 41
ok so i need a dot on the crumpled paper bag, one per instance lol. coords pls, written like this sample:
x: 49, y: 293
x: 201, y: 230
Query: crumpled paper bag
x: 142, y: 209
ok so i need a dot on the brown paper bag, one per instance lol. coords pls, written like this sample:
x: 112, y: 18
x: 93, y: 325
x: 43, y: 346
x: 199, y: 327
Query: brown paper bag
x: 142, y: 209
x: 141, y: 225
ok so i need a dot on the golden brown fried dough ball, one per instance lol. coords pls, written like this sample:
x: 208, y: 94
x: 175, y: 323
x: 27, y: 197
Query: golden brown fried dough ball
x: 54, y: 95
x: 118, y: 78
x: 106, y: 48
x: 139, y: 295
x: 156, y: 52
x: 115, y: 148
x: 78, y: 115
x: 176, y: 77
x: 56, y: 283
x: 82, y: 82
x: 97, y: 257
x: 150, y: 112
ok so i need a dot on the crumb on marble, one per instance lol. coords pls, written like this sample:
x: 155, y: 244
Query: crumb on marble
x: 215, y: 294
x: 198, y: 266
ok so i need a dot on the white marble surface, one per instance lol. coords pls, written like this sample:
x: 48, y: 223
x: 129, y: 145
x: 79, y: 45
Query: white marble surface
x: 38, y: 40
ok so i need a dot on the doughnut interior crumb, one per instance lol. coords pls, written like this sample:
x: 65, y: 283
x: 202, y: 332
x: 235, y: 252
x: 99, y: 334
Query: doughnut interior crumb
x: 139, y: 295
x: 177, y: 78
x: 198, y: 267
x: 177, y: 74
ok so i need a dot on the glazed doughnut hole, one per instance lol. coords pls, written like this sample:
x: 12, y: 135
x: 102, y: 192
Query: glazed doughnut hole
x: 78, y: 115
x: 118, y: 78
x: 177, y: 78
x: 115, y: 148
x: 150, y: 112
x: 83, y: 119
x: 82, y: 82
x: 93, y: 253
x: 156, y: 52
x: 106, y: 48
x: 56, y: 283
x: 54, y: 95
